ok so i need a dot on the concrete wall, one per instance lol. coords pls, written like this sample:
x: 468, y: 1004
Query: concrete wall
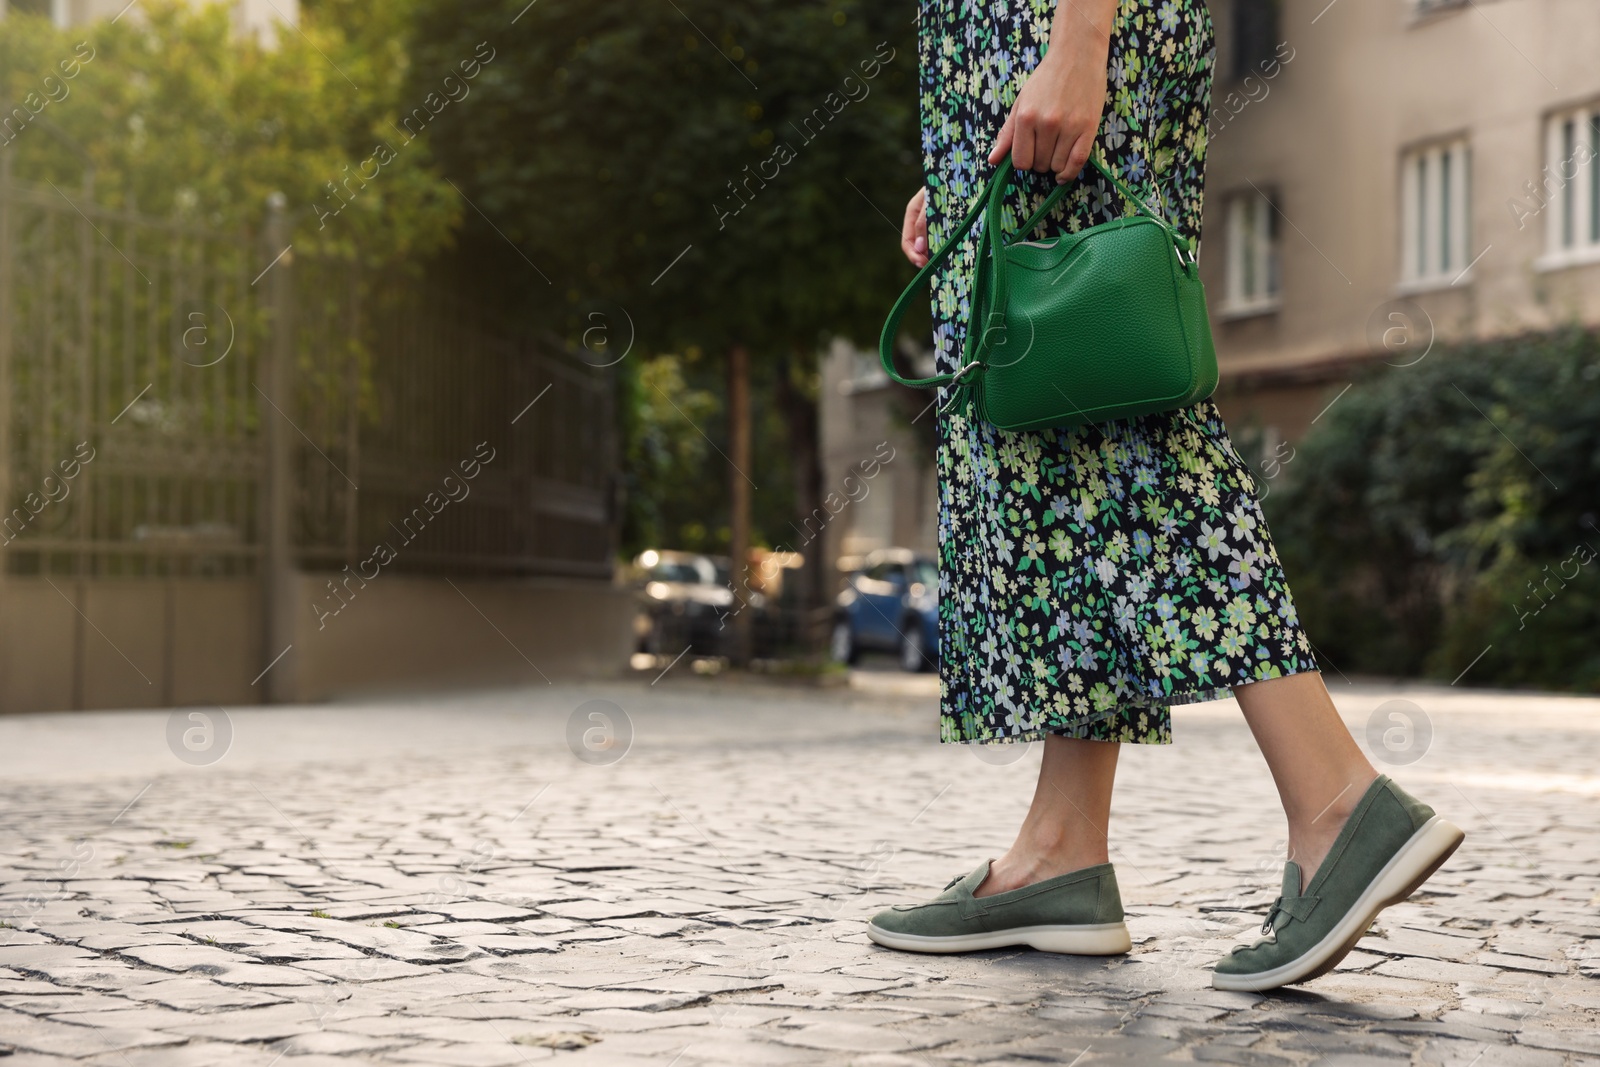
x: 402, y: 631
x: 108, y: 643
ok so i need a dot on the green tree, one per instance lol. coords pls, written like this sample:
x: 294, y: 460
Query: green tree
x: 730, y: 174
x: 662, y: 403
x: 180, y: 116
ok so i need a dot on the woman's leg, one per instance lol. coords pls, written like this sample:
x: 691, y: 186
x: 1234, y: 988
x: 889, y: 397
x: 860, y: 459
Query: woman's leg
x: 1320, y: 771
x: 1064, y: 833
x: 1067, y: 826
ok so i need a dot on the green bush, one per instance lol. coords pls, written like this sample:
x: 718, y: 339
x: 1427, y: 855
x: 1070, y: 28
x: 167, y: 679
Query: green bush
x: 1447, y: 510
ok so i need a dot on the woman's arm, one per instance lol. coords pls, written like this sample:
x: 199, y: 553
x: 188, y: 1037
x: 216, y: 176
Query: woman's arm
x: 1052, y: 125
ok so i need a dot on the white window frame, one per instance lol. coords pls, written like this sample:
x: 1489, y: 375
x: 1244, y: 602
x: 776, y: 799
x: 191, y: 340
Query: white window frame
x: 1572, y: 205
x: 1436, y: 215
x: 1253, y: 283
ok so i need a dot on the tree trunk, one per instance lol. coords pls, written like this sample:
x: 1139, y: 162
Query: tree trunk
x: 739, y: 503
x: 801, y: 420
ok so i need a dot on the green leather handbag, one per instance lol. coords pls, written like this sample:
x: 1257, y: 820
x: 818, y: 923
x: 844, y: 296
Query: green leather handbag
x: 1106, y: 323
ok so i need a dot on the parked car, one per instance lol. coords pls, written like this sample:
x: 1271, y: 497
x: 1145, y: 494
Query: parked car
x: 891, y: 604
x: 683, y: 597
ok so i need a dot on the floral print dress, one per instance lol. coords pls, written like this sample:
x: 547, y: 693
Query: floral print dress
x: 1088, y: 578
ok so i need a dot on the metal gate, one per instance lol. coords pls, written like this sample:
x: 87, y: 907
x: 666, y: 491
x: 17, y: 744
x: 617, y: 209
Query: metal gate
x: 177, y: 402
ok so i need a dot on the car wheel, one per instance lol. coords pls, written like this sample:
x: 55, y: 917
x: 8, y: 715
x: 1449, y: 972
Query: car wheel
x: 842, y: 643
x: 914, y: 649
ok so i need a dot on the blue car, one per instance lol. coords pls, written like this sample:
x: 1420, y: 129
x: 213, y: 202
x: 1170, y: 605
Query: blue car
x: 892, y: 605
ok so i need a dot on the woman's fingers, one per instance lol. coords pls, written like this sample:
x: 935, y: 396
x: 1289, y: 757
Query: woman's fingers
x: 1053, y: 122
x: 1026, y: 138
x: 1057, y: 146
x: 1045, y: 141
x: 1041, y: 142
x: 1076, y: 158
x: 914, y: 229
x: 1061, y: 159
x: 1002, y: 144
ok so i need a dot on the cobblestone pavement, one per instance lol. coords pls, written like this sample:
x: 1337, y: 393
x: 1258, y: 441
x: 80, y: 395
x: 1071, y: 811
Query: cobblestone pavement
x: 443, y: 881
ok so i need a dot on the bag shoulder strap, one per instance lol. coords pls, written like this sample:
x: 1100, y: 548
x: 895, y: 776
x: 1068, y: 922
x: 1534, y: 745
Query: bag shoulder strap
x: 891, y: 325
x: 1182, y: 243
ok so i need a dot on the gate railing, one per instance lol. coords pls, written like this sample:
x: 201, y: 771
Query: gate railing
x: 157, y: 380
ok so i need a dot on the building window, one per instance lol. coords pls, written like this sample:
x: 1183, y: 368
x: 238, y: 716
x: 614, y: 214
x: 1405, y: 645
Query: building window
x: 1570, y: 187
x: 1252, y: 282
x: 1435, y: 193
x: 1255, y: 36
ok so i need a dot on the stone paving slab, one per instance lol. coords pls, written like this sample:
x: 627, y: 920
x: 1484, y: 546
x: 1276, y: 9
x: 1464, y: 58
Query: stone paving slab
x: 442, y: 880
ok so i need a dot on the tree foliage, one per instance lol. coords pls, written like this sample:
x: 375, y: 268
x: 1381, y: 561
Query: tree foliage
x: 675, y: 476
x: 179, y: 115
x: 617, y: 137
x: 1448, y: 508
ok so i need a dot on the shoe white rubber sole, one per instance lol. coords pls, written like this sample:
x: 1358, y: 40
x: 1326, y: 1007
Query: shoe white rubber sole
x: 1414, y: 864
x: 1099, y: 939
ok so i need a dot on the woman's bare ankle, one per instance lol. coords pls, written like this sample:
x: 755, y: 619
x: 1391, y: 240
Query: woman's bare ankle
x: 1023, y: 867
x: 1310, y: 843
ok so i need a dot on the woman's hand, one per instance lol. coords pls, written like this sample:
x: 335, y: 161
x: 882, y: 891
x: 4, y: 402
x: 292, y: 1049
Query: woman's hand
x: 914, y: 230
x: 1052, y: 125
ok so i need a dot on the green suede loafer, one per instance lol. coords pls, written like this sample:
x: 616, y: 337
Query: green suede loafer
x: 1390, y: 845
x: 1078, y: 913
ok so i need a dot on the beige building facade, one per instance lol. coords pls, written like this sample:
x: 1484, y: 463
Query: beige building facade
x: 878, y: 485
x: 1382, y: 173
